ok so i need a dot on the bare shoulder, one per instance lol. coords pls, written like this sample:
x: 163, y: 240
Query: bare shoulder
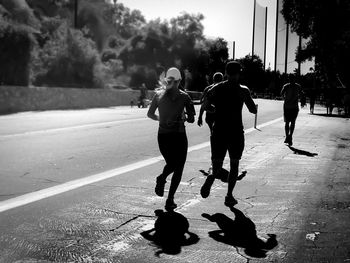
x: 184, y: 95
x: 244, y: 89
x: 213, y: 88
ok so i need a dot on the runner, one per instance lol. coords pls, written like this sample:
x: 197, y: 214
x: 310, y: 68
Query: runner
x: 209, y: 111
x: 291, y: 93
x: 172, y: 103
x: 209, y: 115
x: 228, y: 98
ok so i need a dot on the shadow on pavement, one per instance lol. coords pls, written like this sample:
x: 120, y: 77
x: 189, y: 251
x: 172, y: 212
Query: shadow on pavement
x: 302, y: 152
x: 331, y: 115
x: 240, y: 232
x: 223, y: 175
x: 170, y: 233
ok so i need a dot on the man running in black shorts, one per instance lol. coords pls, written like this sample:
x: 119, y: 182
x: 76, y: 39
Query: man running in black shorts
x: 290, y: 92
x: 228, y: 98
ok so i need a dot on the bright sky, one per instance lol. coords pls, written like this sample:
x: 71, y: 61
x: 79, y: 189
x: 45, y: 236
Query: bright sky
x: 229, y: 19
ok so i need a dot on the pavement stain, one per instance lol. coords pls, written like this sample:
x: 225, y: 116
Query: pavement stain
x: 26, y: 173
x: 86, y: 236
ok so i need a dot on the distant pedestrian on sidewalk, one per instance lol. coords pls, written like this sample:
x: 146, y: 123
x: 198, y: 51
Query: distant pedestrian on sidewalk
x: 175, y: 107
x: 312, y: 100
x: 291, y: 92
x: 209, y: 112
x: 228, y: 98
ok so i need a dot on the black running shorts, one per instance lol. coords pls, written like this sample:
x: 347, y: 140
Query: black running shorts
x: 223, y: 141
x: 290, y: 114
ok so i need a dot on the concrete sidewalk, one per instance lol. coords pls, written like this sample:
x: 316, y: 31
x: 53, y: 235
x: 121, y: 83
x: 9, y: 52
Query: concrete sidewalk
x: 300, y: 195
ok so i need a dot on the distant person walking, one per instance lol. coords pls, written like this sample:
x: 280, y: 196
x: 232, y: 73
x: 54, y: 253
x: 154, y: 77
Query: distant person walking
x: 312, y: 100
x: 291, y: 93
x: 228, y: 98
x: 143, y: 96
x: 346, y: 102
x: 175, y: 107
x: 209, y: 115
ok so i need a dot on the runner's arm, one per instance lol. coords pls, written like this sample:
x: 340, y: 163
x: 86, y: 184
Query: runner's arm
x: 201, y: 110
x: 250, y: 102
x: 152, y: 109
x: 283, y: 91
x: 200, y: 116
x: 190, y: 111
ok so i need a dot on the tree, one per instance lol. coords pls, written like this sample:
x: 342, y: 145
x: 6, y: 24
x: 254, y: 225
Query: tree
x: 20, y: 12
x: 68, y: 59
x: 125, y: 22
x: 253, y: 73
x: 218, y: 53
x: 187, y: 27
x: 327, y: 25
x: 186, y: 30
x: 16, y: 44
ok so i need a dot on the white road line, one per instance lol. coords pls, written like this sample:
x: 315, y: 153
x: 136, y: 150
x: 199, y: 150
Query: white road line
x: 71, y: 185
x: 61, y: 188
x: 100, y: 124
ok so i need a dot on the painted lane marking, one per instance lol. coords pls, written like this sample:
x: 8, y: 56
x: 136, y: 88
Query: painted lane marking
x: 101, y: 124
x: 71, y: 185
x: 61, y: 188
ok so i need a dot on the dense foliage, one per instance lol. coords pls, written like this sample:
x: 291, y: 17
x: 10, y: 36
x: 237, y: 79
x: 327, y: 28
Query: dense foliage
x: 43, y: 43
x: 107, y: 43
x: 327, y: 26
x: 16, y: 44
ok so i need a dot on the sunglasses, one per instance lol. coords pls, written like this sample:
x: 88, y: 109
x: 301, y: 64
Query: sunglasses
x: 171, y: 81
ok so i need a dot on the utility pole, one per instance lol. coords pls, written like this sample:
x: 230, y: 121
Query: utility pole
x: 299, y: 63
x: 76, y: 13
x: 265, y: 38
x: 253, y: 28
x: 276, y: 33
x: 286, y: 53
x: 233, y: 50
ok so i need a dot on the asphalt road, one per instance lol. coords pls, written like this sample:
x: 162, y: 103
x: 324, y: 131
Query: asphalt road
x: 44, y: 150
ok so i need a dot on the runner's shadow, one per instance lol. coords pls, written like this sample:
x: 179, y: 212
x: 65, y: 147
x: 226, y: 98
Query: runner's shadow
x: 240, y: 232
x: 302, y: 152
x: 334, y: 115
x: 223, y: 175
x: 170, y: 233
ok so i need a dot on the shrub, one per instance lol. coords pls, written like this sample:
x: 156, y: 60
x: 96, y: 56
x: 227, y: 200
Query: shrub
x: 68, y: 59
x: 16, y: 43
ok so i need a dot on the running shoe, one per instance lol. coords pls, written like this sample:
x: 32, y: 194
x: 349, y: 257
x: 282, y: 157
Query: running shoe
x: 160, y: 183
x: 242, y: 175
x: 205, y: 190
x: 230, y: 201
x: 170, y: 205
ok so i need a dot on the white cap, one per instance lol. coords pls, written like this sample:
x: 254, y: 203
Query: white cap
x: 173, y: 73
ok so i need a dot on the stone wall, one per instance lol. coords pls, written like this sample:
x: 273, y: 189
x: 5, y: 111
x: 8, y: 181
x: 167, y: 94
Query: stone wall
x: 17, y: 99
